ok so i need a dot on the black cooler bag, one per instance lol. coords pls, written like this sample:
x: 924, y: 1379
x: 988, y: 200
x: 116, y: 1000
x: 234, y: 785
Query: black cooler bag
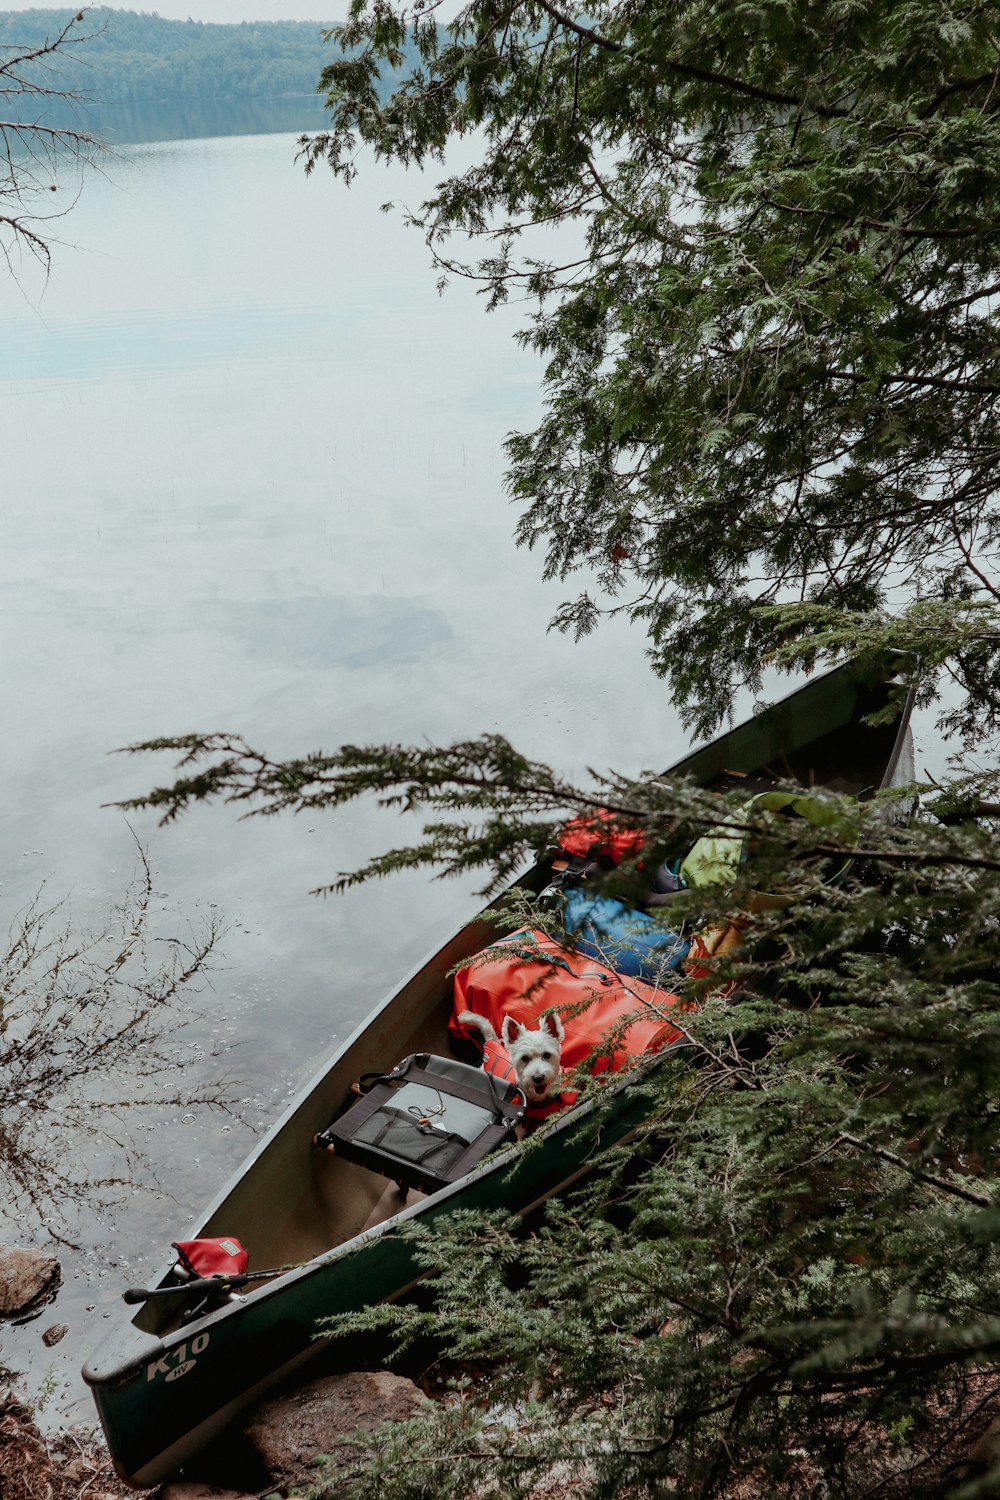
x: 427, y: 1123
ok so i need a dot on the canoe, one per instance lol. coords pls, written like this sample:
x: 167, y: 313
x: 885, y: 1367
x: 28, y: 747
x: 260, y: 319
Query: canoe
x: 164, y: 1387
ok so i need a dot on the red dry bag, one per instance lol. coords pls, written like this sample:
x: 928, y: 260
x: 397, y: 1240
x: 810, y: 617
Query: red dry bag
x: 221, y: 1257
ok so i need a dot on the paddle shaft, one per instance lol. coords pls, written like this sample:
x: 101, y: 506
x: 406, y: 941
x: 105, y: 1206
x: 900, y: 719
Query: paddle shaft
x: 205, y: 1284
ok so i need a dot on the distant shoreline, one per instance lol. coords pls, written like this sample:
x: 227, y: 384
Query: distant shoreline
x: 147, y: 121
x: 116, y: 57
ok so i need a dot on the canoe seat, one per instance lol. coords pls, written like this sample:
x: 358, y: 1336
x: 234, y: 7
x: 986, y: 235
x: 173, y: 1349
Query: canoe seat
x: 425, y: 1124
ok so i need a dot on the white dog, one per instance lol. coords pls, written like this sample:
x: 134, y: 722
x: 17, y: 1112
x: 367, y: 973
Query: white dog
x: 535, y: 1053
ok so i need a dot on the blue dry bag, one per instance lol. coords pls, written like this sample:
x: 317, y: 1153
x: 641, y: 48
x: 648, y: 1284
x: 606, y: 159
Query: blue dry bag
x: 630, y: 942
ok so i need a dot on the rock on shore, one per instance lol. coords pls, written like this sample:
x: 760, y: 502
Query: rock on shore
x: 280, y: 1441
x: 26, y: 1278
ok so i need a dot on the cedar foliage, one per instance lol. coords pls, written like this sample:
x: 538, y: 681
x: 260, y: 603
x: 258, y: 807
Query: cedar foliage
x: 760, y: 242
x: 768, y: 323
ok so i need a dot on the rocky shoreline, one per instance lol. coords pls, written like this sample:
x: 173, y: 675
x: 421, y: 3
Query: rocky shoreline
x: 33, y: 1467
x: 274, y: 1452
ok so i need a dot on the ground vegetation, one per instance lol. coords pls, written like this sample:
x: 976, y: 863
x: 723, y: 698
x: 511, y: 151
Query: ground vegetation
x: 95, y: 1051
x: 64, y: 1467
x: 92, y: 1038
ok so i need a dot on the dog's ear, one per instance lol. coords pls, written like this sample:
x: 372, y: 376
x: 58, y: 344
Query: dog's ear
x: 554, y: 1024
x: 510, y: 1030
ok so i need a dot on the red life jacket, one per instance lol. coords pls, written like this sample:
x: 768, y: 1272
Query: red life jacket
x: 595, y: 834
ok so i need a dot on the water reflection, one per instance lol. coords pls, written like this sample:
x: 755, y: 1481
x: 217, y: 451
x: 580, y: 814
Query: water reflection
x: 195, y: 119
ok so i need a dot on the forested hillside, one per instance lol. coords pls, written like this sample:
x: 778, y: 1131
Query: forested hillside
x: 122, y: 56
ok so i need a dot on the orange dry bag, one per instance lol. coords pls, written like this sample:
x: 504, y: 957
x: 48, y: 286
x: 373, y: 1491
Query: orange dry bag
x: 594, y: 1003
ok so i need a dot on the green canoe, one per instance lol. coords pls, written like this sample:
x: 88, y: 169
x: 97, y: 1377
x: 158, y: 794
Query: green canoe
x: 165, y: 1387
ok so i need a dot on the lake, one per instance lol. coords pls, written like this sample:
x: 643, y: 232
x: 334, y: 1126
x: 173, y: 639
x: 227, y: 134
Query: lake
x: 253, y: 481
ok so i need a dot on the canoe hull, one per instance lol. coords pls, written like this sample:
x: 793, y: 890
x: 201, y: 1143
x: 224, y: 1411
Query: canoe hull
x: 164, y: 1391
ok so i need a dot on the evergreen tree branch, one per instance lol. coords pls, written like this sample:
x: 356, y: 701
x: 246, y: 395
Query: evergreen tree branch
x: 939, y: 1184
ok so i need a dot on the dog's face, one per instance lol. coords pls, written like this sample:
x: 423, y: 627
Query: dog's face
x: 536, y: 1055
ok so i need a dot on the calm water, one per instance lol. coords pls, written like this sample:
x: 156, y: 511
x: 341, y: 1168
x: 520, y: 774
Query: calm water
x: 252, y: 480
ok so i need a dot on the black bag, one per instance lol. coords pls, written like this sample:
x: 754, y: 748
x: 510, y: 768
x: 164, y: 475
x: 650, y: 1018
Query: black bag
x: 427, y: 1123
